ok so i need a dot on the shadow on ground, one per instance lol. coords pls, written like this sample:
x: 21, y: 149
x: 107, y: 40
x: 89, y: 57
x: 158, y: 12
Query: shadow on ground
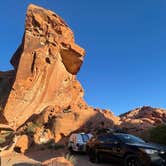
x: 25, y: 164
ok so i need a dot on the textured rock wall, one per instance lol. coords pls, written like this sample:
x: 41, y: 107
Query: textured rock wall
x: 46, y: 62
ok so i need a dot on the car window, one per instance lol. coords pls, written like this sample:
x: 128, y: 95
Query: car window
x: 102, y: 138
x: 129, y: 138
x: 85, y: 137
x: 107, y: 138
x: 112, y: 138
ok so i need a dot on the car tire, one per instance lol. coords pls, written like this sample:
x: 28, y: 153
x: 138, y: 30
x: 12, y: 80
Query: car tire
x: 132, y: 160
x: 94, y: 157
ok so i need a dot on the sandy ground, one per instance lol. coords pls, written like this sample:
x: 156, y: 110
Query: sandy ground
x: 17, y: 160
x: 82, y: 160
x: 35, y: 158
x: 31, y: 158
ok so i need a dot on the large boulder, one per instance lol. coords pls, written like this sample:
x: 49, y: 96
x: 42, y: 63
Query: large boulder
x: 22, y: 144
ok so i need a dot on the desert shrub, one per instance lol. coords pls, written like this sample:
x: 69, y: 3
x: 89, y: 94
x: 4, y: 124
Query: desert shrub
x: 158, y: 134
x: 67, y: 109
x: 2, y: 140
x: 5, y: 135
x: 71, y: 158
x: 32, y: 128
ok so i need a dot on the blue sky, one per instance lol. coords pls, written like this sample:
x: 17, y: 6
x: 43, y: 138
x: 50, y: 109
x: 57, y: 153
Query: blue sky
x: 124, y: 41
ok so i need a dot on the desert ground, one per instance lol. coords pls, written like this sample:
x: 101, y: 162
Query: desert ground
x: 35, y: 158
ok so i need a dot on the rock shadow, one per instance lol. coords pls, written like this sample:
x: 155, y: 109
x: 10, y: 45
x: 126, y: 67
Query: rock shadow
x: 59, y: 148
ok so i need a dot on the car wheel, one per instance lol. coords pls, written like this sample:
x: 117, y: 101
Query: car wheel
x: 94, y: 156
x: 132, y: 160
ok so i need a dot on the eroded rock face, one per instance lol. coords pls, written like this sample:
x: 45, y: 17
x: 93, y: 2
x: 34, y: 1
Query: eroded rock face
x: 46, y: 62
x: 61, y: 122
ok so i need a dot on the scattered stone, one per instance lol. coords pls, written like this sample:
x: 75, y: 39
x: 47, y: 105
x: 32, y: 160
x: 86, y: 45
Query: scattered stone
x: 22, y: 144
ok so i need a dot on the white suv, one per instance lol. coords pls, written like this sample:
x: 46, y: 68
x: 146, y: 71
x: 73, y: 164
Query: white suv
x: 77, y: 142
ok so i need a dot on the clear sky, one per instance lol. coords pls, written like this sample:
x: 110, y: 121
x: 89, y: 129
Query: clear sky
x: 125, y: 43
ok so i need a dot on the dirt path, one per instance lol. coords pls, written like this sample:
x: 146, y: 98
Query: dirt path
x: 15, y: 159
x: 35, y: 158
x: 29, y: 159
x: 82, y: 160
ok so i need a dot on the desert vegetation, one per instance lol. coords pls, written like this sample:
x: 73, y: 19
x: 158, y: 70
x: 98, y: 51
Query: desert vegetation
x: 158, y: 134
x: 71, y: 158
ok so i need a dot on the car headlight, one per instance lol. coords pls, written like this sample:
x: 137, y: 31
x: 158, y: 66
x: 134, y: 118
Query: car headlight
x: 149, y: 151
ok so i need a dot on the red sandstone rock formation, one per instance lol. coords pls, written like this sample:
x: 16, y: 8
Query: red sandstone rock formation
x: 46, y: 62
x: 61, y: 123
x: 143, y: 118
x: 43, y: 91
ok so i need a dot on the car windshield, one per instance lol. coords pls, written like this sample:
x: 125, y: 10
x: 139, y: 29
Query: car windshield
x: 85, y: 137
x: 129, y: 138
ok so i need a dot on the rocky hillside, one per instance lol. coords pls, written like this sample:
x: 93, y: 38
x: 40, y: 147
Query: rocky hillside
x: 141, y: 119
x: 42, y: 100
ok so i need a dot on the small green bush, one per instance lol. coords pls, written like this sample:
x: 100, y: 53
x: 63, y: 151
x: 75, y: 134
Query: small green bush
x: 67, y: 110
x: 71, y: 158
x: 2, y: 140
x: 158, y: 134
x: 31, y: 128
x: 5, y: 135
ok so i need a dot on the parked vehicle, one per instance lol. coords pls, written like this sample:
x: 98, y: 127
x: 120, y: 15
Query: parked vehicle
x: 77, y: 142
x: 125, y: 149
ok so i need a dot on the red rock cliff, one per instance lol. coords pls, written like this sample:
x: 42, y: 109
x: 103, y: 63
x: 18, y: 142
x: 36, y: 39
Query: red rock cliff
x: 46, y: 62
